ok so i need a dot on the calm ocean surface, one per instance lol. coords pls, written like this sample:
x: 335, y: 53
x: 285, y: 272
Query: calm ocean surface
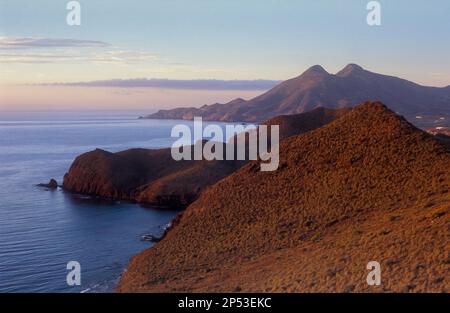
x: 40, y: 230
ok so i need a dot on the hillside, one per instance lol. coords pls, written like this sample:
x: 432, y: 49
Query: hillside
x: 144, y: 175
x: 367, y: 186
x: 318, y: 88
x: 152, y: 176
x: 296, y: 124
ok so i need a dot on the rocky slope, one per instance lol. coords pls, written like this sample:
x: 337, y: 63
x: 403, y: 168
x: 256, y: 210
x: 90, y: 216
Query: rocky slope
x: 152, y: 176
x: 318, y: 88
x: 368, y: 186
x: 144, y: 175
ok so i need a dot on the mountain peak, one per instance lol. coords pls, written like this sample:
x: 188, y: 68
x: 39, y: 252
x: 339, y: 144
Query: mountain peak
x: 316, y: 69
x: 350, y: 69
x: 315, y: 87
x: 373, y: 105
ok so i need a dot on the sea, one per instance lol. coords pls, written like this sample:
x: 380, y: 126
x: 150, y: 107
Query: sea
x: 42, y: 230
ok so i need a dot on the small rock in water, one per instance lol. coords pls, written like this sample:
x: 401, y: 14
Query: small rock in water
x: 52, y: 184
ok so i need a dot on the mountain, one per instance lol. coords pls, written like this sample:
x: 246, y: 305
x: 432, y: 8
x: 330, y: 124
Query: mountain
x: 368, y: 186
x: 318, y: 88
x: 152, y: 176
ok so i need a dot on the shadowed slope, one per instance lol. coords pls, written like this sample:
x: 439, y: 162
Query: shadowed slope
x: 301, y: 123
x: 368, y: 186
x: 144, y: 175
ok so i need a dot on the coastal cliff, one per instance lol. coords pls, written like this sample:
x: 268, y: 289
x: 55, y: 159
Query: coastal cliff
x: 144, y: 175
x: 368, y: 186
x: 152, y: 176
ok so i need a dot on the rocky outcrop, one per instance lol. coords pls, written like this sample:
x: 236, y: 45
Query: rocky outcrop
x: 52, y: 184
x: 368, y: 186
x: 318, y: 88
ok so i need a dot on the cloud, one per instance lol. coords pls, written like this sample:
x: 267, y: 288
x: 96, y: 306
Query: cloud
x: 201, y: 84
x: 29, y: 50
x: 73, y: 57
x: 28, y: 42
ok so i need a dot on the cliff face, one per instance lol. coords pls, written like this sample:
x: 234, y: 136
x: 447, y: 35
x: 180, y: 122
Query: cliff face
x: 318, y: 88
x: 144, y: 175
x: 368, y: 186
x: 152, y: 176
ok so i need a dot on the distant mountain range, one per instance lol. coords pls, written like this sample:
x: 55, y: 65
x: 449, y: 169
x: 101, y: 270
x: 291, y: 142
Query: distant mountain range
x: 318, y: 88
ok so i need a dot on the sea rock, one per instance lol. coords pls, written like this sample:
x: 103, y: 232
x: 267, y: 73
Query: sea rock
x: 52, y: 184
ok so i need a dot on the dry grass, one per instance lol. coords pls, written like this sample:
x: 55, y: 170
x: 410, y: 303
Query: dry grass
x: 368, y: 186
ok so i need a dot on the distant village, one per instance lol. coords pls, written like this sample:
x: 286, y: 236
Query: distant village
x: 435, y: 125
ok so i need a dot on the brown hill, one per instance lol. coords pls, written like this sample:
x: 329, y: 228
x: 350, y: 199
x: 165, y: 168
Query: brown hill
x: 304, y: 122
x: 317, y: 88
x: 144, y: 175
x: 367, y: 186
x: 152, y: 176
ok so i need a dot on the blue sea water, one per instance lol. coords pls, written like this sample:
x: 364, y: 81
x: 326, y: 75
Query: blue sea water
x: 42, y: 230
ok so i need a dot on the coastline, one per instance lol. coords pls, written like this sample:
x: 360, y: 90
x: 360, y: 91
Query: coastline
x: 242, y: 244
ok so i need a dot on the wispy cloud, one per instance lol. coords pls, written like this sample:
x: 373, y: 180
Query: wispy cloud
x: 28, y: 42
x: 29, y: 50
x: 101, y: 57
x: 202, y: 84
x: 62, y: 50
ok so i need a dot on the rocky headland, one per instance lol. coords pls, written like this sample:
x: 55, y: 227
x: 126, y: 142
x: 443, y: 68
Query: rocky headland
x: 152, y: 176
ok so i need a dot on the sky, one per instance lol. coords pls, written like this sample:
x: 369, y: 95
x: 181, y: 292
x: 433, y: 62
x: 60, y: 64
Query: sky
x: 181, y: 42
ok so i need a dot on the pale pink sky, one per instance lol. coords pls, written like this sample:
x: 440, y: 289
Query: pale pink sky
x: 221, y: 39
x: 98, y: 98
